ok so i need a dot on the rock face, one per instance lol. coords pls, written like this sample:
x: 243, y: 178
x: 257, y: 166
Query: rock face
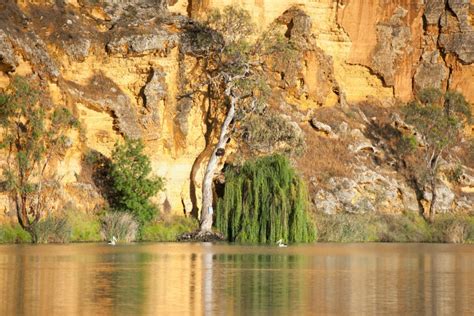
x: 378, y: 47
x: 124, y: 66
x: 367, y: 191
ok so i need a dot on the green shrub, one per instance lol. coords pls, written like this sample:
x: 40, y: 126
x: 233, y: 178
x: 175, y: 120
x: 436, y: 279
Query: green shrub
x: 168, y: 230
x: 52, y: 230
x: 84, y: 227
x: 131, y: 186
x: 121, y: 225
x: 272, y: 133
x: 430, y: 95
x: 13, y: 233
x: 264, y: 201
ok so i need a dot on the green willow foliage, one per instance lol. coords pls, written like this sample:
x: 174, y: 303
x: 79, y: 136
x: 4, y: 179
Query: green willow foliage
x: 264, y: 200
x: 131, y: 186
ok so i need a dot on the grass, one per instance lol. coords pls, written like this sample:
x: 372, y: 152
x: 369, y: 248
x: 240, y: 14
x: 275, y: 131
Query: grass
x: 13, y: 233
x: 120, y: 225
x: 52, y: 230
x: 168, y: 229
x: 325, y: 157
x: 408, y: 227
x: 345, y: 228
x: 454, y: 228
x: 84, y: 227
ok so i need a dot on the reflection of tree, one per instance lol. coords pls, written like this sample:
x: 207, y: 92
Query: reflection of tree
x: 264, y: 282
x: 121, y: 283
x: 207, y: 262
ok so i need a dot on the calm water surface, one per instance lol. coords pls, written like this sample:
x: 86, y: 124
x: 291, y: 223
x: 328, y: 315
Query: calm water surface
x: 182, y: 279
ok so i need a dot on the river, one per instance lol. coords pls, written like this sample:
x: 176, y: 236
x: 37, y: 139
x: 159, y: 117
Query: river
x: 222, y: 279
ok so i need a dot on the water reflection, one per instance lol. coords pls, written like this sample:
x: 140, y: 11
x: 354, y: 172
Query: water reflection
x: 197, y: 279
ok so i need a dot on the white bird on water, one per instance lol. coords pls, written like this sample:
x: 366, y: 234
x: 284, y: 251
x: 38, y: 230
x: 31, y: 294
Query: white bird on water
x: 113, y: 241
x: 281, y: 244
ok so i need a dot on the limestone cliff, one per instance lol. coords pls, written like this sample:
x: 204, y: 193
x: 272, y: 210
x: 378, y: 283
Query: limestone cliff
x: 122, y: 67
x: 382, y: 48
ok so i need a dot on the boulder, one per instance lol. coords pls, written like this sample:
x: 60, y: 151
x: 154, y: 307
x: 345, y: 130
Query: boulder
x: 324, y: 128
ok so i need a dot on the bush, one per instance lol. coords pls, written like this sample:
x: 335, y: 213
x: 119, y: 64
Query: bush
x: 264, y: 201
x: 408, y: 227
x: 121, y: 225
x: 168, y: 229
x: 13, y: 233
x: 272, y: 133
x: 430, y: 96
x: 452, y: 228
x: 52, y: 230
x: 132, y: 187
x: 84, y: 227
x: 345, y: 228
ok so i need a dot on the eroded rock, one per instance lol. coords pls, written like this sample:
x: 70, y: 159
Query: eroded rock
x: 102, y: 94
x: 154, y: 93
x: 324, y: 128
x: 393, y: 41
x: 78, y: 48
x: 161, y: 42
x: 310, y: 76
x: 431, y: 73
x: 8, y: 61
x: 368, y: 191
x: 444, y: 198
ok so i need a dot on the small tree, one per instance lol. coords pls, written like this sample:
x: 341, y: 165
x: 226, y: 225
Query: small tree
x: 233, y: 61
x: 131, y: 186
x: 32, y: 136
x: 440, y: 118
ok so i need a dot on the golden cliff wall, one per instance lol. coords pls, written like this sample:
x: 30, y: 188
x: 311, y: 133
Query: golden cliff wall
x: 123, y: 83
x: 122, y: 71
x: 379, y: 48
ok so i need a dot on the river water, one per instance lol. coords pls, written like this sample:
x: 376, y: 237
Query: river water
x: 210, y: 279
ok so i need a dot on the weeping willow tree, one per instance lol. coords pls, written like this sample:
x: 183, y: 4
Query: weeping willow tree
x: 264, y: 201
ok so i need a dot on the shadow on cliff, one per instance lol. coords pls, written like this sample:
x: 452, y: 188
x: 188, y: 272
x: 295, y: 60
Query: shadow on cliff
x: 96, y: 169
x: 381, y: 130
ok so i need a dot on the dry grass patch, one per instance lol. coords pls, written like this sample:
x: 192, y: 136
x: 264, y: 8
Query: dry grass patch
x: 325, y: 157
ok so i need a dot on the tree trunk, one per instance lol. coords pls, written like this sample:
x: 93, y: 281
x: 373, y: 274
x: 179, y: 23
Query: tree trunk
x: 207, y: 197
x: 433, y: 199
x: 434, y: 174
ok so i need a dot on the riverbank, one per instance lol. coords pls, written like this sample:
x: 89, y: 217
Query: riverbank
x: 409, y: 227
x: 447, y: 228
x: 82, y: 227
